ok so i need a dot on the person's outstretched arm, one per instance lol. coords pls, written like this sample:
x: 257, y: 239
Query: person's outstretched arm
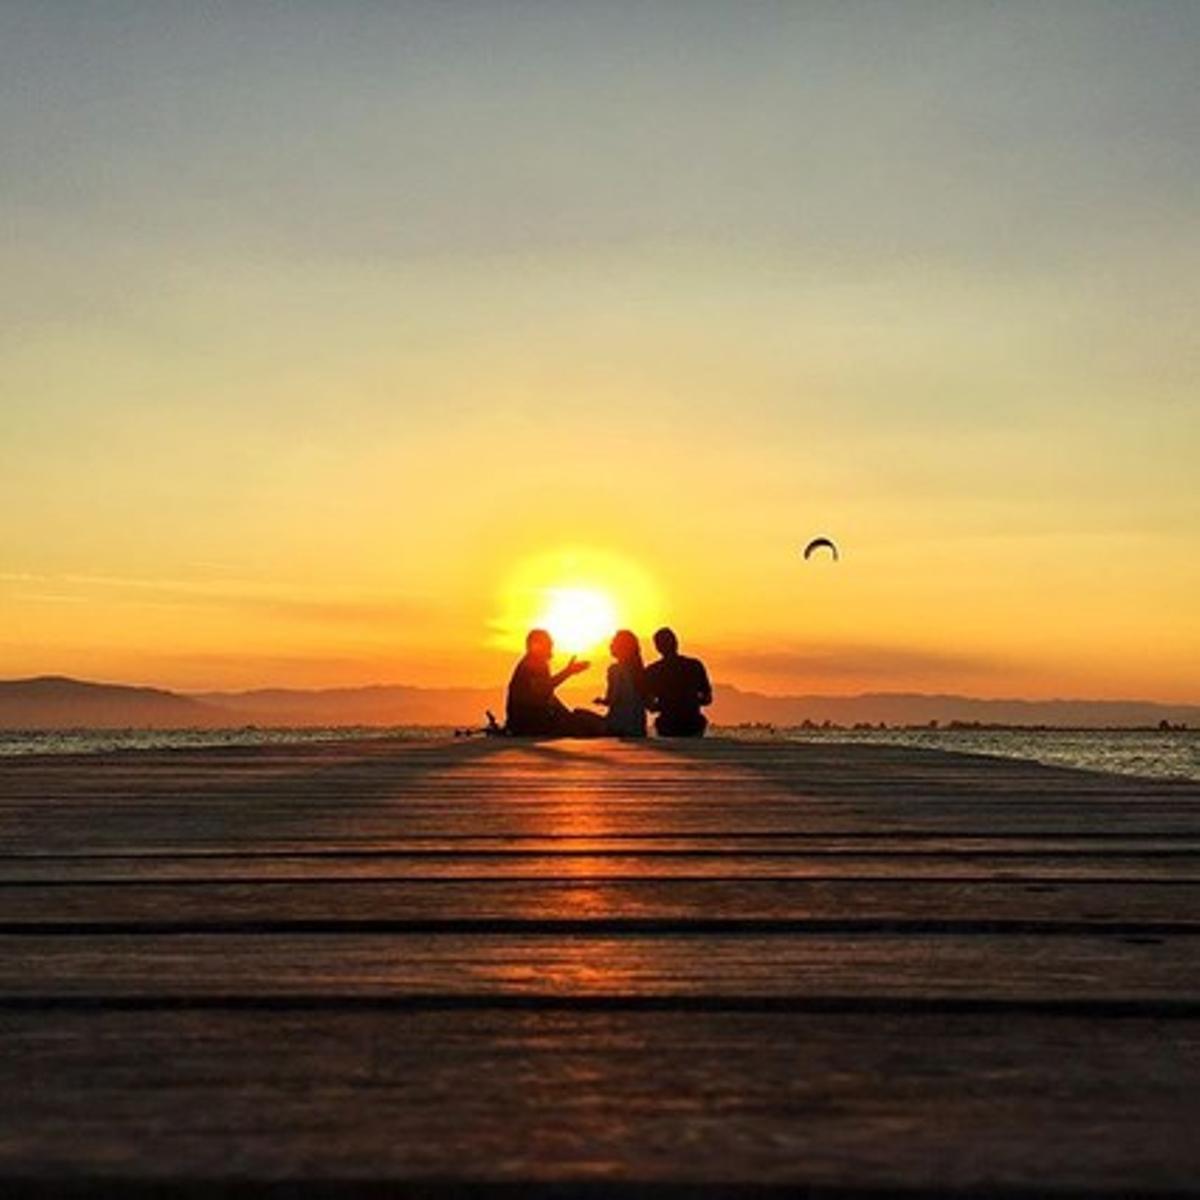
x: 573, y: 667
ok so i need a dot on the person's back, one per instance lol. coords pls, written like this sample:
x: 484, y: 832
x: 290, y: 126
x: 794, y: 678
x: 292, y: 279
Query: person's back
x: 626, y: 710
x: 677, y: 688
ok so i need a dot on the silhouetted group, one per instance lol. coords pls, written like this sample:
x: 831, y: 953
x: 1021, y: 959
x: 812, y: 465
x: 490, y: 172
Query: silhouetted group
x: 675, y: 688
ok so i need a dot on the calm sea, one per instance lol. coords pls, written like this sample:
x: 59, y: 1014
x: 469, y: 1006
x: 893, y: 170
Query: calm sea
x: 1123, y: 752
x: 1173, y: 755
x: 98, y: 741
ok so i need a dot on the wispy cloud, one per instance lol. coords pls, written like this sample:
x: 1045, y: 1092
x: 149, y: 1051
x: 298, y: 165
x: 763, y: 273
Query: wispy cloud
x: 877, y: 662
x: 50, y: 598
x: 248, y: 596
x: 337, y: 612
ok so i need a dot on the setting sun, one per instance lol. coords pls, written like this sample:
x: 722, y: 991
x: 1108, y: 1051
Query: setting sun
x: 581, y: 595
x: 579, y: 619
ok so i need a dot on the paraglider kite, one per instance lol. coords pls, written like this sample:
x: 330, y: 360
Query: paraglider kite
x: 821, y: 543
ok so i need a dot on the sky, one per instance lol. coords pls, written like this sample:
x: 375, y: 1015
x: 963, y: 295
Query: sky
x: 340, y: 342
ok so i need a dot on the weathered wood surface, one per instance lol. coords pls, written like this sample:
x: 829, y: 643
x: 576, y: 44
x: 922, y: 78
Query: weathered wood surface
x: 833, y: 1100
x: 908, y: 969
x: 899, y: 901
x: 606, y: 966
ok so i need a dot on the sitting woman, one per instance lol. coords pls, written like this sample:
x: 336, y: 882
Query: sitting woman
x: 626, y: 688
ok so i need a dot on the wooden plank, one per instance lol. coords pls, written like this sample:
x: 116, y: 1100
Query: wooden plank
x: 345, y: 828
x: 394, y: 865
x: 364, y: 900
x: 886, y: 1102
x: 180, y: 821
x: 711, y: 846
x: 181, y: 831
x: 1019, y: 969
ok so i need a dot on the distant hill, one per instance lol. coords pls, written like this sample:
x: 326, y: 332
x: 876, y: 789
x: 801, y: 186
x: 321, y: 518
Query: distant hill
x: 54, y: 702
x: 735, y: 707
x: 377, y: 705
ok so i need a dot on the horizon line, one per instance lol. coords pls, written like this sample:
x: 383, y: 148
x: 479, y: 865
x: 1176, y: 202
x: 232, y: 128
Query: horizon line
x: 499, y: 686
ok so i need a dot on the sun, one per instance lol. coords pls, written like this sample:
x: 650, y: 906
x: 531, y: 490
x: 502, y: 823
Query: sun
x: 582, y: 595
x: 579, y: 618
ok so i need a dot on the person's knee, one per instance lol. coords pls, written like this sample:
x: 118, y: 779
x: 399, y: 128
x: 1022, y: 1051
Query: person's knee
x: 582, y: 723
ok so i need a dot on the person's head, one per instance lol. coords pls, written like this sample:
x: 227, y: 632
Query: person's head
x: 539, y: 644
x: 666, y: 643
x: 625, y: 648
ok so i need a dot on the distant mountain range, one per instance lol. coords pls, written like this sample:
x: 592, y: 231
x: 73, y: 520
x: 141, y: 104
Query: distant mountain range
x: 380, y: 704
x: 56, y: 702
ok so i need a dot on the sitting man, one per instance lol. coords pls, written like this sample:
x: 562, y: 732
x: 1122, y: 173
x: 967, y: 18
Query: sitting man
x: 533, y: 708
x: 677, y: 688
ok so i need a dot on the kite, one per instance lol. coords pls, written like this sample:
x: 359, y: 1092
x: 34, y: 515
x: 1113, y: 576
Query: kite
x: 821, y: 543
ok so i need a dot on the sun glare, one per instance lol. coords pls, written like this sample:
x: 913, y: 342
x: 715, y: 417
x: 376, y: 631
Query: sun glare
x: 581, y: 596
x: 579, y: 619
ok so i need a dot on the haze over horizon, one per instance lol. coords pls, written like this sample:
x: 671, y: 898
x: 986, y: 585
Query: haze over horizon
x: 50, y: 703
x: 340, y: 343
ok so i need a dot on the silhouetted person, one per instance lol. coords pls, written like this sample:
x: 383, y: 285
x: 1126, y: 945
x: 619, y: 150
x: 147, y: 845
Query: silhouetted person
x: 625, y: 698
x: 533, y: 708
x: 677, y: 688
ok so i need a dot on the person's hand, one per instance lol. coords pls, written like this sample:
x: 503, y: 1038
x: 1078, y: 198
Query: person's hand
x: 601, y: 700
x: 575, y: 667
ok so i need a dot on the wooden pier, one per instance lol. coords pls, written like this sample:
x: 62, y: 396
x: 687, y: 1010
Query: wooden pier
x: 596, y: 969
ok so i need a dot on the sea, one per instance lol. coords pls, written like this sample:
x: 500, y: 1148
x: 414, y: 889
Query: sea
x: 1173, y: 754
x: 1166, y: 754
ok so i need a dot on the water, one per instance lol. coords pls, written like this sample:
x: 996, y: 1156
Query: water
x: 99, y: 741
x: 1163, y: 755
x: 1173, y: 755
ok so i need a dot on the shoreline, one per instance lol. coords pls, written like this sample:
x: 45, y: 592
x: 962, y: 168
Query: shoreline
x: 1127, y: 753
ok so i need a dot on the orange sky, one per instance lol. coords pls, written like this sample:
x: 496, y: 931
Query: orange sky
x: 335, y: 343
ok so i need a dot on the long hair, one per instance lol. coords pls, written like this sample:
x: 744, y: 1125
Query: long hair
x: 627, y: 650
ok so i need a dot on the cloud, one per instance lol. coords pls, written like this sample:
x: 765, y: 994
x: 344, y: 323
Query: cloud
x: 252, y: 597
x: 49, y: 598
x: 881, y: 663
x: 337, y: 612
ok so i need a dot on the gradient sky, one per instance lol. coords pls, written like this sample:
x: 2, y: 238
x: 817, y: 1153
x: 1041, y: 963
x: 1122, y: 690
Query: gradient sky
x: 322, y: 324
